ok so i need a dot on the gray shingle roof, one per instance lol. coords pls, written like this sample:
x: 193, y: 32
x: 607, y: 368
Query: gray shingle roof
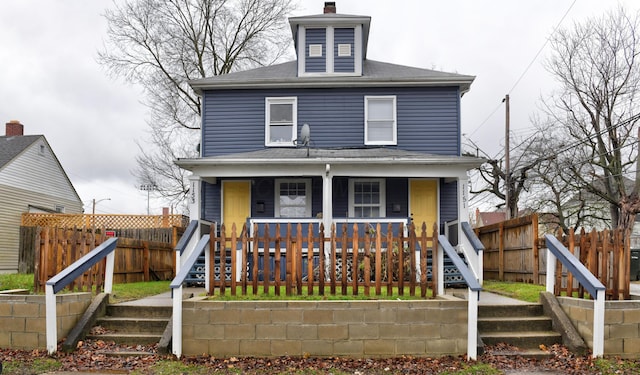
x: 374, y: 73
x: 10, y: 147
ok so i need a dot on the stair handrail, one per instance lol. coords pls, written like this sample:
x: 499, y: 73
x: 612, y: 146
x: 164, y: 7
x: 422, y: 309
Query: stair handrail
x: 476, y: 244
x: 186, y: 236
x: 557, y: 251
x: 176, y: 293
x: 66, y: 276
x: 473, y: 292
x: 474, y: 258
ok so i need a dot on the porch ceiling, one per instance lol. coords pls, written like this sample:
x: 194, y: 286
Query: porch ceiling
x: 339, y: 161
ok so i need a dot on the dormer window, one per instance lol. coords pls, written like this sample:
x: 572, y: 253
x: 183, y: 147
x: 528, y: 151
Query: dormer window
x: 315, y: 50
x: 344, y: 50
x: 281, y: 121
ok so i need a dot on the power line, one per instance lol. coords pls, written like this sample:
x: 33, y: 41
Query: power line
x: 526, y: 70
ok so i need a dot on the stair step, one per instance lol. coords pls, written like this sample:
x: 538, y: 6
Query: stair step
x: 524, y: 311
x: 522, y: 339
x: 126, y: 353
x: 536, y: 353
x: 127, y: 338
x: 139, y: 311
x: 509, y: 324
x: 131, y: 325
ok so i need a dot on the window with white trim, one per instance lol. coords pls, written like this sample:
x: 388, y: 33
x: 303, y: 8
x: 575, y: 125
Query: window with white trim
x: 380, y: 126
x: 367, y: 198
x: 281, y: 121
x: 293, y: 198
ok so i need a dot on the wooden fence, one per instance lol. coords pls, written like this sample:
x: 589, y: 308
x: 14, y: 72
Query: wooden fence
x: 27, y: 251
x: 368, y: 263
x: 135, y: 260
x: 514, y: 252
x: 511, y: 251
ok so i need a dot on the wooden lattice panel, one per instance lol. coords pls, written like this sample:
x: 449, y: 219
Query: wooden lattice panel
x: 102, y: 220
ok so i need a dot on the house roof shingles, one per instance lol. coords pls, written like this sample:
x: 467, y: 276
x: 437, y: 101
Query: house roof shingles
x: 374, y: 73
x: 10, y: 147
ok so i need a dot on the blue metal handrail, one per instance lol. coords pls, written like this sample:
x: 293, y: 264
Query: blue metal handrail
x: 579, y: 271
x: 185, y: 268
x: 471, y: 236
x: 80, y: 266
x: 186, y: 236
x: 466, y: 273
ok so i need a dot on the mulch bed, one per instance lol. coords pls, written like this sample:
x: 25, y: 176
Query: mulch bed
x: 91, y: 356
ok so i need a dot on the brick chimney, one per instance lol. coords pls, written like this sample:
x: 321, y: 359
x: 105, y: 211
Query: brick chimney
x: 329, y: 7
x: 14, y: 128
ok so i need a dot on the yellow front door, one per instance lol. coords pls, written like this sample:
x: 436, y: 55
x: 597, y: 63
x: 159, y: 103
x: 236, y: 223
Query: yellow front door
x: 423, y: 203
x: 236, y: 204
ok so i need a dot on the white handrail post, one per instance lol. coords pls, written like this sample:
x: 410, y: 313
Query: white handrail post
x: 440, y: 269
x: 551, y: 271
x: 108, y: 272
x: 598, y: 324
x: 51, y: 319
x: 176, y: 342
x: 472, y: 324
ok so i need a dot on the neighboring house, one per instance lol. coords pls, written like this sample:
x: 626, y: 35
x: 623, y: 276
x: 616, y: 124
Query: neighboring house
x: 31, y: 180
x: 384, y: 138
x: 488, y: 218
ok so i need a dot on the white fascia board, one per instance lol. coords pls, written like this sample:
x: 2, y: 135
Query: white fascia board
x: 324, y: 80
x: 369, y: 169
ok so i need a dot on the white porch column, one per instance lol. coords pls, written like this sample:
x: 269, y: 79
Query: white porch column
x: 195, y: 187
x: 474, y: 259
x: 195, y: 212
x: 327, y: 204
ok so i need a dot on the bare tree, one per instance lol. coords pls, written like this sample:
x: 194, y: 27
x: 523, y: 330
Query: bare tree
x: 553, y: 192
x: 493, y: 176
x: 595, y: 110
x: 163, y: 44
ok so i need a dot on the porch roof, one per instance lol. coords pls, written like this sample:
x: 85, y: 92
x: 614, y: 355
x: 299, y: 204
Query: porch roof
x: 382, y: 161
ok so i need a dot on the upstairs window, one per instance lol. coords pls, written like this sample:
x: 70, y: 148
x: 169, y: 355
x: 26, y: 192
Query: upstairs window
x: 367, y: 198
x: 380, y: 126
x: 293, y: 198
x: 281, y: 121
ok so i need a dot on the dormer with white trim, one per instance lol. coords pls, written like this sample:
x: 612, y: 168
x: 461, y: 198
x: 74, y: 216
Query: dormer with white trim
x: 330, y: 44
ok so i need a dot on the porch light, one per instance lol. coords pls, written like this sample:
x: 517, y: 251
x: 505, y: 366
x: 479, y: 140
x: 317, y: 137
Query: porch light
x: 395, y: 208
x: 260, y: 207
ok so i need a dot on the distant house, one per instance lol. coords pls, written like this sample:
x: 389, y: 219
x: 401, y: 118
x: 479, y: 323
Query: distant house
x: 31, y: 180
x: 488, y: 218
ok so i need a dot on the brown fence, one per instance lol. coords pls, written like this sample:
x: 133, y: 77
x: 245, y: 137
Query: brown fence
x: 135, y: 260
x: 108, y: 221
x: 514, y: 252
x: 374, y: 262
x: 28, y: 241
x: 511, y: 250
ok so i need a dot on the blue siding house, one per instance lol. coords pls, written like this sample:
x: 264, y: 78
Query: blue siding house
x: 384, y: 139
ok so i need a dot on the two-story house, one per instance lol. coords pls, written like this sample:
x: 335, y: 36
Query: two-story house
x: 31, y: 180
x: 331, y: 137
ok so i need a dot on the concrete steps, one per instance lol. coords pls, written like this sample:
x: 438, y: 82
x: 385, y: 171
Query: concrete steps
x: 132, y: 325
x: 523, y: 328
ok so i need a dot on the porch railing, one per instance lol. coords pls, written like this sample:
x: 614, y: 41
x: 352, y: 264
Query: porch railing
x: 298, y: 257
x: 557, y: 251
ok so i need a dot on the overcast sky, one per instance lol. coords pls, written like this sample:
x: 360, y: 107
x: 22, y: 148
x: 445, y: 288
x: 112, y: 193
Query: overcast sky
x: 50, y: 80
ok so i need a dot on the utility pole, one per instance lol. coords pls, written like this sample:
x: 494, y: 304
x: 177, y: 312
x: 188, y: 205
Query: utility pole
x: 93, y: 211
x: 507, y: 171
